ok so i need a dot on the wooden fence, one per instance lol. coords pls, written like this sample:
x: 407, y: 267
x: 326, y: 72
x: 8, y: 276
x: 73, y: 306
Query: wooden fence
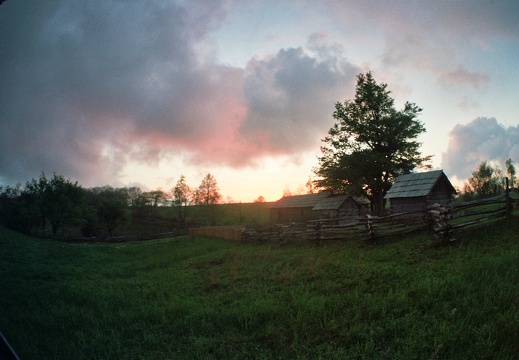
x: 224, y: 232
x: 441, y: 220
x: 364, y: 228
x: 118, y: 239
x: 472, y: 215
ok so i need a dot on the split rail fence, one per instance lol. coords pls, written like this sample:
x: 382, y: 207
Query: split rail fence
x: 442, y: 221
x: 363, y: 228
x: 448, y: 221
x: 223, y: 232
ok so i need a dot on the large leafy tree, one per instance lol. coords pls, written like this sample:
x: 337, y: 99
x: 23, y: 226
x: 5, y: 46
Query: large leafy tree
x: 62, y: 202
x: 106, y: 209
x: 370, y: 144
x: 510, y: 172
x: 484, y: 182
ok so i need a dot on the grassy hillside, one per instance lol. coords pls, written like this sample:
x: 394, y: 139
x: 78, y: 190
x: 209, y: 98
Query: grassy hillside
x: 207, y: 298
x: 224, y: 214
x: 166, y: 218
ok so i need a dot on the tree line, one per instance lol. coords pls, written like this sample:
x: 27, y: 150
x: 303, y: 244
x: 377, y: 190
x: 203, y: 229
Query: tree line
x: 57, y: 204
x: 487, y: 181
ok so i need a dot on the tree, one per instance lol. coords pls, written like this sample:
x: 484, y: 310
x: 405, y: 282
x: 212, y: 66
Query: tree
x: 510, y: 171
x: 485, y: 182
x: 370, y: 144
x: 133, y: 194
x: 260, y: 199
x: 157, y: 197
x: 109, y: 208
x: 20, y: 209
x: 208, y: 192
x: 181, y: 194
x: 56, y: 201
x: 63, y: 203
x: 310, y: 186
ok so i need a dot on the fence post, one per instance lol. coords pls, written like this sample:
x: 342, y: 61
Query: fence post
x: 369, y: 227
x: 507, y: 199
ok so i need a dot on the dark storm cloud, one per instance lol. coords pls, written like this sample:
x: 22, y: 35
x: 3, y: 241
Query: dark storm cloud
x: 291, y: 97
x: 89, y: 86
x: 483, y: 139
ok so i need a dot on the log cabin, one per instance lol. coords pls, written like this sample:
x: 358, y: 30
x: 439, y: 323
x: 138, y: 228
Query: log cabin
x: 303, y: 208
x: 414, y: 192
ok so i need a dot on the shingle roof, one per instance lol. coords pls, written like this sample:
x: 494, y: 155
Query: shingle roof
x: 320, y: 201
x: 330, y: 203
x: 299, y: 201
x: 416, y: 185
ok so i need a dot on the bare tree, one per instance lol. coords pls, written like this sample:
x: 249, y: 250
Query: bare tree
x: 182, y: 198
x: 208, y: 192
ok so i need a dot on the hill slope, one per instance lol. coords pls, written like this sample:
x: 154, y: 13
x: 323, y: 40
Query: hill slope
x: 208, y: 298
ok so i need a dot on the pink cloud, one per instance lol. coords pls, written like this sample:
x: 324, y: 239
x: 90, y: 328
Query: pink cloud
x: 461, y: 76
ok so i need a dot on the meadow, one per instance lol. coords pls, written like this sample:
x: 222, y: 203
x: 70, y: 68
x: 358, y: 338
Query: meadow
x: 205, y: 298
x: 166, y: 218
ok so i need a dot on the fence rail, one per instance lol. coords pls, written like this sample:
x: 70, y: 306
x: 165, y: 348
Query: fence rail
x: 472, y: 215
x: 224, y: 232
x: 441, y: 220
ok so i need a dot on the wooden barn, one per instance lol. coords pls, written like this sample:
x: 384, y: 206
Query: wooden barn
x: 303, y: 208
x: 414, y: 192
x: 343, y: 207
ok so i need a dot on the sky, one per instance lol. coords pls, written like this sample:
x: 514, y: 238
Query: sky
x: 138, y: 93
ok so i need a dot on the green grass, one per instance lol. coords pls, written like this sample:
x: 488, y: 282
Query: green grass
x: 201, y: 298
x: 254, y: 214
x: 166, y: 218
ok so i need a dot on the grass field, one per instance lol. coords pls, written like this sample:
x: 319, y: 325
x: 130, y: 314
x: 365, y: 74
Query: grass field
x: 201, y: 298
x: 166, y: 218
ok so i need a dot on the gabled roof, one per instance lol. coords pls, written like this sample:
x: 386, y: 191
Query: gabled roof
x: 417, y: 184
x: 330, y: 203
x: 319, y: 201
x: 335, y: 202
x: 299, y: 201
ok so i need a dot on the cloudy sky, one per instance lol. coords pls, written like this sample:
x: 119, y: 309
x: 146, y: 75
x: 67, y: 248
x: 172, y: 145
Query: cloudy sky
x: 132, y: 93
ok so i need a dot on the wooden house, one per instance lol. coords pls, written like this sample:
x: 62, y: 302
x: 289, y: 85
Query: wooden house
x: 414, y: 192
x: 303, y: 208
x: 343, y: 207
x: 294, y: 209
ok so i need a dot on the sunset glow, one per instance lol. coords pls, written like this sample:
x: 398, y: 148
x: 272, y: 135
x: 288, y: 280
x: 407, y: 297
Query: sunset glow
x: 140, y: 93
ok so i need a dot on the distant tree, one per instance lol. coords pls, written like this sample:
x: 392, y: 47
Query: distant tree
x: 208, y: 192
x: 229, y: 200
x: 158, y: 197
x: 181, y: 195
x: 133, y: 194
x: 310, y: 186
x: 19, y: 209
x: 510, y: 172
x: 112, y: 208
x: 62, y: 202
x: 56, y: 201
x: 370, y: 144
x: 287, y: 192
x: 142, y: 207
x: 484, y: 182
x: 301, y: 189
x: 260, y: 199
